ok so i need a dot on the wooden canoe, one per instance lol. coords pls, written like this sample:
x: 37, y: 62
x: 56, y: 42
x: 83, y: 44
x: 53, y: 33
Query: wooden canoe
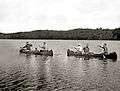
x: 112, y: 55
x: 41, y: 52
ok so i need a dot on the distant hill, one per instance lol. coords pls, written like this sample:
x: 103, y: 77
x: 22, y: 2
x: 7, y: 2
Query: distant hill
x: 76, y: 34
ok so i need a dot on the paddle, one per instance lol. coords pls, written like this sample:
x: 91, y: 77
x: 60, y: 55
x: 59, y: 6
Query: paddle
x: 76, y: 48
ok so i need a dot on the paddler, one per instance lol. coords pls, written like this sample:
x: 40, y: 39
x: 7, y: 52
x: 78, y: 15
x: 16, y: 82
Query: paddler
x: 86, y: 49
x: 105, y: 49
x: 28, y: 46
x: 43, y: 46
x: 79, y: 48
x: 36, y: 51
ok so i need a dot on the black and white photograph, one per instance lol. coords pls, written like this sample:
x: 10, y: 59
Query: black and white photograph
x: 59, y: 45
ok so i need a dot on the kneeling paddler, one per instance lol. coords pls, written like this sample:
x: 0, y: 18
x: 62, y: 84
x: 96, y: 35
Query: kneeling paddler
x: 105, y: 50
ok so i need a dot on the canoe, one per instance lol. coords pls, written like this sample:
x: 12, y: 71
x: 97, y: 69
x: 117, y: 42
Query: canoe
x: 41, y: 52
x: 112, y: 55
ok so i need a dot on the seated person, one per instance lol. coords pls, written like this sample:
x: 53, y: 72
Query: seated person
x: 105, y: 49
x: 86, y: 49
x: 36, y: 50
x: 79, y: 48
x: 43, y: 47
x: 28, y: 46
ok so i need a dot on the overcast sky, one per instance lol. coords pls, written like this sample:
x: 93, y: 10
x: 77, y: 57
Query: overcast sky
x: 27, y: 15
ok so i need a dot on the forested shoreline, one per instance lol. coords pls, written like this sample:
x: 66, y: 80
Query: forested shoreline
x: 74, y: 34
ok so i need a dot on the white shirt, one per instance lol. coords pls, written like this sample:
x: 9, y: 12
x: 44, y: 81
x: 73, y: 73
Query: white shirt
x: 79, y: 48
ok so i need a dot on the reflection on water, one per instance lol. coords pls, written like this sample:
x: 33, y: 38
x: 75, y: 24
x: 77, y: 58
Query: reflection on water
x: 20, y: 72
x: 39, y: 72
x: 48, y: 74
x: 31, y: 75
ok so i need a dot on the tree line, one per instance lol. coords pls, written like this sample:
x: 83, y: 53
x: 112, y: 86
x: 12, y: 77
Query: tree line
x: 74, y: 34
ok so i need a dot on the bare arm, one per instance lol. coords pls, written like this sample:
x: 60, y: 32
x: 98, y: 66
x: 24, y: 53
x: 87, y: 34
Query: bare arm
x: 30, y: 44
x: 42, y: 47
x: 24, y: 46
x: 76, y: 48
x: 100, y: 46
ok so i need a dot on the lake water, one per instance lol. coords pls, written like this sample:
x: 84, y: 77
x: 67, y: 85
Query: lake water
x: 19, y: 72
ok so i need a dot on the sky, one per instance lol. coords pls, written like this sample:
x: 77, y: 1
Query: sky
x: 28, y: 15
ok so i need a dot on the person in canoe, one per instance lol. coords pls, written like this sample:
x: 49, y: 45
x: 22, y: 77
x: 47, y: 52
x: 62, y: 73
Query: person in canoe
x: 43, y: 47
x: 79, y: 49
x: 28, y: 46
x: 105, y: 49
x: 36, y: 51
x: 86, y: 49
